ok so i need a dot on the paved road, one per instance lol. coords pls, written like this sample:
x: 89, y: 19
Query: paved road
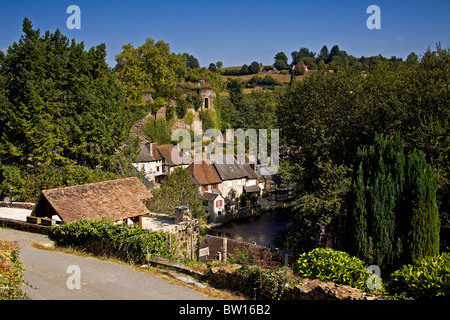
x: 51, y: 275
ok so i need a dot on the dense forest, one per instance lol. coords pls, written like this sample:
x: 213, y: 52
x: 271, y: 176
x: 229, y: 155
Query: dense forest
x: 66, y: 118
x: 328, y: 116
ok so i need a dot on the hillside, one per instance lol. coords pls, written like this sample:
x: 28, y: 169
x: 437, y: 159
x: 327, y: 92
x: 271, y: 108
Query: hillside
x: 282, y: 76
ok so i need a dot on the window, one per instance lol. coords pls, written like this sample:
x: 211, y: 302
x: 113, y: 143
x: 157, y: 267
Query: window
x: 218, y: 203
x: 215, y: 186
x: 204, y: 188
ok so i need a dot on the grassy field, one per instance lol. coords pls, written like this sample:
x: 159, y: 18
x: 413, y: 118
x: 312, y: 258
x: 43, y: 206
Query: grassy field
x: 283, y: 78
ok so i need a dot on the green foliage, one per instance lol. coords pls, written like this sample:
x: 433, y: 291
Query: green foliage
x: 27, y: 183
x: 254, y: 67
x: 260, y: 283
x: 327, y: 116
x: 157, y: 131
x: 177, y: 190
x: 209, y: 119
x: 11, y: 272
x: 318, y: 214
x: 151, y: 65
x: 420, y: 209
x: 428, y: 277
x: 191, y: 61
x: 127, y: 243
x: 61, y: 108
x: 212, y: 67
x: 281, y: 61
x: 194, y: 100
x: 214, y: 79
x: 335, y: 266
x: 393, y: 217
x: 181, y: 108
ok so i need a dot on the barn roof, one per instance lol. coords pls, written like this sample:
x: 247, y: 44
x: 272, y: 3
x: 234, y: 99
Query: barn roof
x: 113, y: 199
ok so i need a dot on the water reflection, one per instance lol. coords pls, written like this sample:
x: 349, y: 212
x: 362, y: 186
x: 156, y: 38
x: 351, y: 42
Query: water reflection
x: 261, y: 230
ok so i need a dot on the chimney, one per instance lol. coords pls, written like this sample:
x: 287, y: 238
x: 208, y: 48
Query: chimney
x: 149, y: 146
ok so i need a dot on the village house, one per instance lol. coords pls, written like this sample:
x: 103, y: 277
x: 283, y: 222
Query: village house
x: 237, y: 178
x: 214, y: 204
x: 150, y: 161
x: 168, y: 152
x: 120, y: 201
x: 222, y: 183
x: 158, y: 161
x: 204, y: 176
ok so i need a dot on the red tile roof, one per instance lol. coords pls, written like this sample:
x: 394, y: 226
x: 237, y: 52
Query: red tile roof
x: 204, y: 173
x: 166, y: 152
x: 114, y: 200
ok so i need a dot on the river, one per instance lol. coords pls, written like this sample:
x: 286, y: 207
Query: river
x: 261, y: 229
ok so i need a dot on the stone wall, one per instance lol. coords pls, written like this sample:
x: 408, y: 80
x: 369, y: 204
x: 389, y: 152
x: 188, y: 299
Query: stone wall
x: 229, y: 276
x: 24, y: 226
x: 19, y: 205
x: 183, y: 236
x: 222, y: 248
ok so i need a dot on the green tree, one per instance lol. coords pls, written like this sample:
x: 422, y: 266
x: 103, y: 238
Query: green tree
x: 189, y: 118
x: 150, y: 66
x: 281, y: 61
x: 177, y: 190
x: 408, y: 100
x: 393, y: 217
x: 421, y: 210
x: 181, y: 108
x: 212, y: 67
x: 244, y: 70
x: 254, y: 67
x: 191, y: 61
x: 61, y: 105
x: 157, y: 131
x: 323, y: 55
x: 214, y: 79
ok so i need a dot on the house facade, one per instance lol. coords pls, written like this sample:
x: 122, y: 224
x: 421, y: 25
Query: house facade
x: 150, y: 161
x: 158, y: 161
x: 214, y: 204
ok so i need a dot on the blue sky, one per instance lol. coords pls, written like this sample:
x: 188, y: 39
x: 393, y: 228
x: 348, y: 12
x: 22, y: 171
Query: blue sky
x: 238, y: 32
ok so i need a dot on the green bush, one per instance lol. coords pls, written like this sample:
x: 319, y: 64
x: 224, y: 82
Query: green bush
x: 123, y: 242
x: 260, y: 283
x: 335, y: 266
x: 11, y: 272
x: 428, y: 277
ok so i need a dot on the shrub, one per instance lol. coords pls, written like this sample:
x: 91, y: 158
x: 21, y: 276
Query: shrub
x: 11, y: 272
x: 427, y: 278
x: 123, y: 242
x: 260, y: 283
x: 335, y: 266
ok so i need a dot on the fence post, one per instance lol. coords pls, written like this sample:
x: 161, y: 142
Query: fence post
x: 225, y: 249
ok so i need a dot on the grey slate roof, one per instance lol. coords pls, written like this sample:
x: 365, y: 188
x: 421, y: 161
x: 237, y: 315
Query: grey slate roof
x: 229, y: 169
x: 148, y: 153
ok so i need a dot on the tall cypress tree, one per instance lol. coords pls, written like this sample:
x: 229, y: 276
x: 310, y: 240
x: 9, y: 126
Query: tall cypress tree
x: 393, y: 217
x: 421, y: 212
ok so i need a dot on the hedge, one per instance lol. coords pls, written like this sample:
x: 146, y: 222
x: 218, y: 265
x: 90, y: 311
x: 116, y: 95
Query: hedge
x: 103, y: 237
